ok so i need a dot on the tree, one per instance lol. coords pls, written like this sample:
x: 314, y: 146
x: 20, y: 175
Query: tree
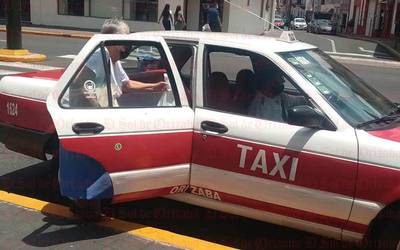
x: 14, y: 40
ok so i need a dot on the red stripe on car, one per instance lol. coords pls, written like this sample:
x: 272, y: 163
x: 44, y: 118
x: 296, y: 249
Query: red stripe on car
x: 31, y: 114
x: 137, y: 151
x: 47, y: 74
x: 313, y: 171
x: 292, y: 212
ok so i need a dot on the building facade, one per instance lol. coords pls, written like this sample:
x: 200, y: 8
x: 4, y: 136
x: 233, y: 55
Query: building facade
x: 375, y: 18
x: 142, y: 15
x: 25, y: 10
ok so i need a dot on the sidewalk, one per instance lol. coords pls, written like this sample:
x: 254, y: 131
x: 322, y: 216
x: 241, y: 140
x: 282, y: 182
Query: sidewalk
x: 22, y: 228
x: 389, y: 44
x: 48, y: 31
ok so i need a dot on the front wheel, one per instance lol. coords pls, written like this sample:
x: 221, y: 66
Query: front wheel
x: 388, y: 236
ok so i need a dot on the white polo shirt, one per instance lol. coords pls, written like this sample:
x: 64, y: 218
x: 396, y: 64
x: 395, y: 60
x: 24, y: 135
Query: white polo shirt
x: 118, y: 77
x: 266, y: 107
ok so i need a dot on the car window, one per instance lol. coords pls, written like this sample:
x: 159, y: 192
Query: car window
x: 253, y: 84
x: 120, y: 75
x: 229, y: 63
x: 89, y: 88
x: 183, y: 56
x: 353, y: 99
x: 147, y: 64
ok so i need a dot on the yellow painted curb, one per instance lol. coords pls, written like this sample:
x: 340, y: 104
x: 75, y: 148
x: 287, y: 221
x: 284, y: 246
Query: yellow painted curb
x: 14, y: 52
x: 115, y: 224
x: 20, y: 55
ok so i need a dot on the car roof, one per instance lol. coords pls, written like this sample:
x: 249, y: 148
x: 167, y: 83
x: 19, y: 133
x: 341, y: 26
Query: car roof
x: 270, y: 42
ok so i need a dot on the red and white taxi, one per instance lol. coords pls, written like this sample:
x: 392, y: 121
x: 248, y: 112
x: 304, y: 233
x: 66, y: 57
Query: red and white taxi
x: 329, y: 164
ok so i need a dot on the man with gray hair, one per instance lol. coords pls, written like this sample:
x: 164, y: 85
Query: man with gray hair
x: 117, y: 26
x: 120, y: 82
x: 114, y: 26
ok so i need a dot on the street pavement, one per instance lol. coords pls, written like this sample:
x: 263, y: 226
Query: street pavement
x: 23, y: 228
x: 372, y: 62
x: 336, y: 45
x: 27, y: 176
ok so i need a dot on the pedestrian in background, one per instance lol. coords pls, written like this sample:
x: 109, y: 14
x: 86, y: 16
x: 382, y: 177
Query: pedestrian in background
x: 397, y: 34
x: 350, y: 26
x: 213, y: 18
x: 179, y: 23
x: 166, y: 17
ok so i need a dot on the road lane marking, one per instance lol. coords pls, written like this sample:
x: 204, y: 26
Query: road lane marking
x: 367, y: 62
x: 348, y: 54
x: 131, y: 228
x: 67, y: 56
x: 28, y: 66
x: 355, y: 55
x: 332, y: 44
x: 4, y: 72
x: 373, y: 52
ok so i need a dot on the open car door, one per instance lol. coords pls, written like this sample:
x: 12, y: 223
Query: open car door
x: 116, y: 143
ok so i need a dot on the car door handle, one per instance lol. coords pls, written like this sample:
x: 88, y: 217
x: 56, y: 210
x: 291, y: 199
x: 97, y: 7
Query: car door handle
x: 214, y: 127
x: 87, y: 128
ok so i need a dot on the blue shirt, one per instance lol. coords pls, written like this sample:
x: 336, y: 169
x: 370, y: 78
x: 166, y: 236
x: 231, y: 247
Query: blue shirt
x: 213, y: 15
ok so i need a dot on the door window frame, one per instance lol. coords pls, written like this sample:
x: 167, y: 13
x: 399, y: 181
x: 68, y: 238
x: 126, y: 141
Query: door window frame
x: 195, y: 49
x: 102, y: 46
x: 206, y: 70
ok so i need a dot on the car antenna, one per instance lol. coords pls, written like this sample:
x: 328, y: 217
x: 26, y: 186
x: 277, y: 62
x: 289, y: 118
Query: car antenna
x: 285, y: 35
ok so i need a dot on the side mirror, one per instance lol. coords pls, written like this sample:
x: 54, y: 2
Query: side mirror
x: 306, y: 116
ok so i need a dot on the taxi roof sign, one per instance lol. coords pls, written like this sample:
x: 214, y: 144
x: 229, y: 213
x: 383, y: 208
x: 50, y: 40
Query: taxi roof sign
x: 282, y: 35
x: 288, y: 36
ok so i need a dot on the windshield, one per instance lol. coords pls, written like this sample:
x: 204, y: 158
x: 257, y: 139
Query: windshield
x: 299, y: 20
x: 354, y: 100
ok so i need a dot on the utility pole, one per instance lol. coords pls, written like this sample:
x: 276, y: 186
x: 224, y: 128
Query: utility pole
x: 14, y: 40
x: 290, y: 13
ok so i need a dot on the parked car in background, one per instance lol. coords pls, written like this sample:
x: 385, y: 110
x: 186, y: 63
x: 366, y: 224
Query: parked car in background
x: 323, y: 26
x: 298, y: 24
x: 279, y: 23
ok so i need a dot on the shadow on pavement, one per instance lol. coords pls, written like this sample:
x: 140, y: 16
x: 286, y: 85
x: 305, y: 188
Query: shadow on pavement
x: 222, y: 228
x: 383, y: 53
x: 37, y: 181
x: 56, y: 231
